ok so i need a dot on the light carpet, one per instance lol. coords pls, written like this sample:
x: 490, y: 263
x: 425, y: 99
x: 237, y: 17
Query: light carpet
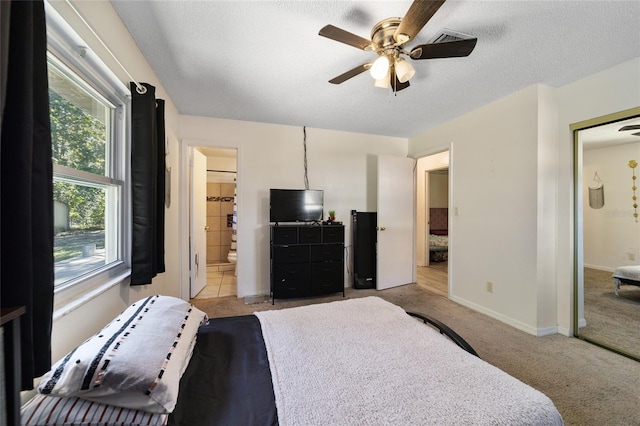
x: 365, y: 361
x: 611, y: 319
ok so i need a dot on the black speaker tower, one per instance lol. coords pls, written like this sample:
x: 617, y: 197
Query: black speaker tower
x: 364, y: 226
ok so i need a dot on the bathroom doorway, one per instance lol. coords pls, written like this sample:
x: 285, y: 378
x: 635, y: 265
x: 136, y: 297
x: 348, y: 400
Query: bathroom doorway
x: 221, y: 222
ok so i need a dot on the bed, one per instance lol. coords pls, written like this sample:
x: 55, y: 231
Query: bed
x: 629, y: 275
x: 438, y: 248
x: 355, y: 361
x: 438, y: 234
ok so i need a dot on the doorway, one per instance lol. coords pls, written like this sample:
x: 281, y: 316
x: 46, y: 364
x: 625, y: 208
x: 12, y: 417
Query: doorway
x: 607, y: 230
x: 432, y: 227
x: 221, y: 222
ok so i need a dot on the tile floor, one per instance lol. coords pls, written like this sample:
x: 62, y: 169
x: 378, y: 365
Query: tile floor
x: 221, y: 281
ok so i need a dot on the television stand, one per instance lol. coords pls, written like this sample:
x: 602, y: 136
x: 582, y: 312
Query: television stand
x: 306, y: 260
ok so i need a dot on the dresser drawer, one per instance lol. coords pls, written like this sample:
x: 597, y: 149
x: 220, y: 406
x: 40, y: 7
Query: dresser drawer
x: 327, y: 277
x: 291, y: 288
x: 309, y: 235
x: 333, y: 234
x: 291, y: 280
x: 326, y: 252
x: 291, y: 272
x: 290, y: 254
x: 283, y: 235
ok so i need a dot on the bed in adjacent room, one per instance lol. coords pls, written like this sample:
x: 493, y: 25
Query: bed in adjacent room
x: 438, y: 248
x: 438, y: 234
x: 629, y: 275
x: 355, y: 361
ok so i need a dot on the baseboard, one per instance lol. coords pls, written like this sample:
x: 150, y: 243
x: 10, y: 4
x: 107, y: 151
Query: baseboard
x: 507, y: 320
x: 252, y: 300
x: 547, y: 331
x: 599, y: 268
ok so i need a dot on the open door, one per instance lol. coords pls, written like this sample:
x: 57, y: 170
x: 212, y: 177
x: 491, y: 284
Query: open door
x: 427, y: 220
x: 395, y: 258
x: 198, y: 222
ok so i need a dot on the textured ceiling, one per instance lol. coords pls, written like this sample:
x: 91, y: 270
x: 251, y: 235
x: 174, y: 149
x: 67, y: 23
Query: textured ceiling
x: 264, y: 61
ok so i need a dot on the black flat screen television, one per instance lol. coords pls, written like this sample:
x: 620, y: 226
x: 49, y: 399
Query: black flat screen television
x: 296, y: 205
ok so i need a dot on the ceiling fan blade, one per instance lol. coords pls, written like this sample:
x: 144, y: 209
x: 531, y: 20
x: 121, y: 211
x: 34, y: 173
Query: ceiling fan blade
x: 630, y: 127
x: 351, y: 73
x: 635, y: 134
x: 447, y: 49
x: 396, y: 85
x: 337, y: 34
x: 416, y: 18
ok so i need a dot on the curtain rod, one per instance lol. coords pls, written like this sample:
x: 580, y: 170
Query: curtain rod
x: 139, y: 87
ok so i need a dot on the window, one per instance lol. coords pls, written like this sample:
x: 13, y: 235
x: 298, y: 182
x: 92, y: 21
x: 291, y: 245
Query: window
x: 87, y: 109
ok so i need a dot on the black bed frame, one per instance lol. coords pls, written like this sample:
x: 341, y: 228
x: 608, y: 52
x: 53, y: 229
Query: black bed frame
x: 446, y: 331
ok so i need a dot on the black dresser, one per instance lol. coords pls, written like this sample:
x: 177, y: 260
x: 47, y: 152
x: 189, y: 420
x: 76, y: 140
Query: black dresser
x: 306, y: 260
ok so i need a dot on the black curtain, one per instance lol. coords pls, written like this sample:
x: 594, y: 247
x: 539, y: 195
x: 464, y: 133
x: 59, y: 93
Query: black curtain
x: 147, y: 184
x: 26, y: 186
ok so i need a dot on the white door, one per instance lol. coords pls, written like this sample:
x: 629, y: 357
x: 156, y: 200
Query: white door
x: 427, y: 223
x: 198, y: 222
x: 395, y: 257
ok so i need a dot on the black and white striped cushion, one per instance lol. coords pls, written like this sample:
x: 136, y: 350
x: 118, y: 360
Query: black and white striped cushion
x: 136, y: 361
x: 49, y: 410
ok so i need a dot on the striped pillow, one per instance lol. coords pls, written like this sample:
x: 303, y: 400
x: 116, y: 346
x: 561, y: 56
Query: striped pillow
x: 48, y: 410
x: 136, y: 361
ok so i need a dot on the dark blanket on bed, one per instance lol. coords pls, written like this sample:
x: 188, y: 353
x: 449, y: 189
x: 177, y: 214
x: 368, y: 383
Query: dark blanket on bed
x: 229, y: 353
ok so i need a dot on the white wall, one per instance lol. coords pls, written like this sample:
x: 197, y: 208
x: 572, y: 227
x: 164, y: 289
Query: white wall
x: 512, y: 180
x: 72, y: 327
x: 493, y: 171
x: 224, y: 165
x: 439, y: 190
x: 611, y: 233
x: 272, y: 156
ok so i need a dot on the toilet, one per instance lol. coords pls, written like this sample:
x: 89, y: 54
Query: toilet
x: 232, y: 257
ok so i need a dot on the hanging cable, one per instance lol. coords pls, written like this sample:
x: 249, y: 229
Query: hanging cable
x: 306, y: 177
x: 139, y: 87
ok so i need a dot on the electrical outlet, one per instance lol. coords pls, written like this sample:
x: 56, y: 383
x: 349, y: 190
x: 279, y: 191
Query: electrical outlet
x: 631, y: 256
x: 489, y: 287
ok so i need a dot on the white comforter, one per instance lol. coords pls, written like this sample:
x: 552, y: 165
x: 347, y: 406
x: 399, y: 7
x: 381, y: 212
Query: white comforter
x: 438, y: 240
x: 366, y: 362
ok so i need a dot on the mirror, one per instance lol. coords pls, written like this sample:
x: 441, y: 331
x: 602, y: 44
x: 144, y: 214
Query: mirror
x: 607, y: 231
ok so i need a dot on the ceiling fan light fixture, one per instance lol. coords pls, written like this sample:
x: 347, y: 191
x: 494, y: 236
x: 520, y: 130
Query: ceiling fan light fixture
x: 404, y: 70
x: 380, y: 67
x: 383, y: 82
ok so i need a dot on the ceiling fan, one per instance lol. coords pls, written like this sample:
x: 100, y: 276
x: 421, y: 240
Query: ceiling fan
x: 388, y: 40
x: 630, y: 127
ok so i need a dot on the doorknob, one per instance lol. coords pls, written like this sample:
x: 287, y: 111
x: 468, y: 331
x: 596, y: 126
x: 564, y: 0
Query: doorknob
x: 206, y: 228
x: 381, y: 228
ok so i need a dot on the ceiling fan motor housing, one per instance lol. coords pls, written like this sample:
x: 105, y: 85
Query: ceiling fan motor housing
x: 383, y: 32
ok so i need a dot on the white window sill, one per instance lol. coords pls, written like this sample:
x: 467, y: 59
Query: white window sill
x: 75, y: 303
